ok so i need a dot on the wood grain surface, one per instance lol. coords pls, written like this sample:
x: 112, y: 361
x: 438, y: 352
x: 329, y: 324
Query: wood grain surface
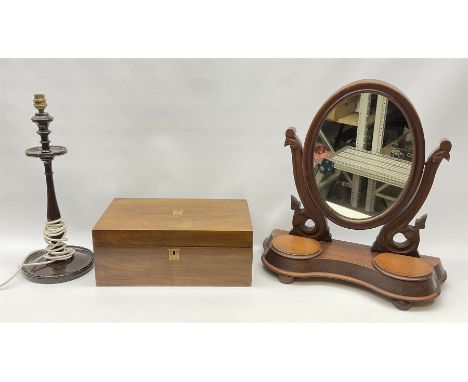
x: 404, y: 266
x: 175, y: 222
x: 210, y: 241
x: 296, y: 245
x: 197, y: 266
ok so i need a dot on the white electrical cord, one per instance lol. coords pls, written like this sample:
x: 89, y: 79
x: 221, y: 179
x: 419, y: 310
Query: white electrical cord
x: 54, y: 236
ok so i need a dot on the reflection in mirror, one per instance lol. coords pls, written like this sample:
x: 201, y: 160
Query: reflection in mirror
x: 363, y: 155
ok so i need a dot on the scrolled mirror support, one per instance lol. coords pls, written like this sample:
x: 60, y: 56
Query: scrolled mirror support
x: 320, y: 231
x: 385, y: 240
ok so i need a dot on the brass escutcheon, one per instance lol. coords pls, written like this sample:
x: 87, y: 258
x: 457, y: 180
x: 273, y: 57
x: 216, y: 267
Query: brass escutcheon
x: 174, y: 254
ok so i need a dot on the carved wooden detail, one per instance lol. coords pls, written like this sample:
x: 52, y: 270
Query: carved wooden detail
x: 385, y: 240
x: 320, y: 230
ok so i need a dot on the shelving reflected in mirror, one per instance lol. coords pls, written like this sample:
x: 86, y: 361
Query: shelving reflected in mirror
x: 363, y: 155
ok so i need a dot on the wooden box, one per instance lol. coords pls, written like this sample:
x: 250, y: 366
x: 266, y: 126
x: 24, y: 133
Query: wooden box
x: 198, y: 242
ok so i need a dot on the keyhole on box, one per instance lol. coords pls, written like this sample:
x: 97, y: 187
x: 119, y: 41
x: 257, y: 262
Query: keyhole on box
x: 174, y: 254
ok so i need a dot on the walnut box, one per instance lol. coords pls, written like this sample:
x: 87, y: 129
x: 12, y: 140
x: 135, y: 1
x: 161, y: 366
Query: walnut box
x: 198, y: 242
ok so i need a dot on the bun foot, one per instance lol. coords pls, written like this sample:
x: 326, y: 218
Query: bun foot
x: 402, y: 305
x: 444, y: 277
x: 285, y: 279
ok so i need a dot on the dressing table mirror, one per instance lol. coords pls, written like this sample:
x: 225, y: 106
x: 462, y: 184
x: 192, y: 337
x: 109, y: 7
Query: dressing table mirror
x: 362, y: 166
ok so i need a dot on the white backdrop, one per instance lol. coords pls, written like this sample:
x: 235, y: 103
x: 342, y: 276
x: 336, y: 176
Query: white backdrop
x: 208, y: 128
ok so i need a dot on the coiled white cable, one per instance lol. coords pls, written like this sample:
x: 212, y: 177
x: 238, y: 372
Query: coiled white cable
x: 55, y: 237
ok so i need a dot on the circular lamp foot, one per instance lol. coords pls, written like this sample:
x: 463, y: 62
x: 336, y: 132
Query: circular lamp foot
x: 60, y: 271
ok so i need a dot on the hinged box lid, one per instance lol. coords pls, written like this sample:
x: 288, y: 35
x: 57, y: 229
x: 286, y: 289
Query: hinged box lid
x: 175, y: 222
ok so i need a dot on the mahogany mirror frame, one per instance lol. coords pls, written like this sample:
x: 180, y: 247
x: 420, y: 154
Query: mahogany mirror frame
x: 414, y: 123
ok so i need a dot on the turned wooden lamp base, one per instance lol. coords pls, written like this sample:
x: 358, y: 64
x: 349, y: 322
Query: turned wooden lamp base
x: 403, y: 279
x: 60, y: 271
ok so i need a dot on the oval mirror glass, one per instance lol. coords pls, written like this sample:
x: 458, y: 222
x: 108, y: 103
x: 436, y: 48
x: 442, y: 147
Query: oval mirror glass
x: 363, y: 155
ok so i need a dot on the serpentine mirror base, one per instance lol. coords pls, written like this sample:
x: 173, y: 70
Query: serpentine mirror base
x: 405, y: 280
